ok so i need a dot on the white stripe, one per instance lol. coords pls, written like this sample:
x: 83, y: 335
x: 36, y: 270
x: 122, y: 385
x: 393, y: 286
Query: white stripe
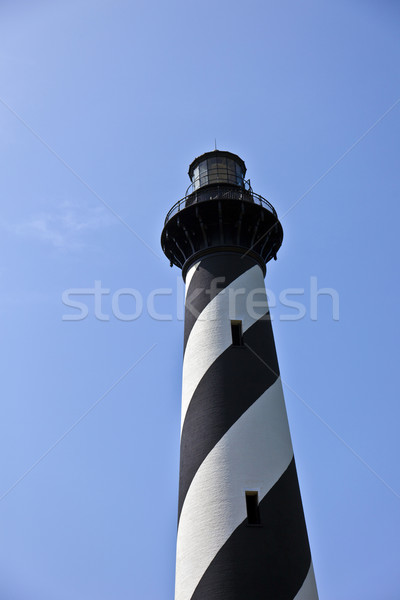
x: 211, y: 334
x: 252, y: 455
x: 308, y: 590
x: 189, y: 275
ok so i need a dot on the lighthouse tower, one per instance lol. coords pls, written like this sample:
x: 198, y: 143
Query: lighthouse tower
x: 241, y: 527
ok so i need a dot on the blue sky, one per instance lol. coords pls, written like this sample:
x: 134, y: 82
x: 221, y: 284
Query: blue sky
x: 103, y: 105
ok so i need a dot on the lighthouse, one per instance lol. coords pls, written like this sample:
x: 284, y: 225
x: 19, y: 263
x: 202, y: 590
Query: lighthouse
x: 241, y: 527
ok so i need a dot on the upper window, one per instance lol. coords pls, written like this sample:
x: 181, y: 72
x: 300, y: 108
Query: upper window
x: 237, y: 333
x: 253, y: 509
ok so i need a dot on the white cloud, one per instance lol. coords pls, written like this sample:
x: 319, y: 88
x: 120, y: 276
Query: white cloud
x: 66, y: 227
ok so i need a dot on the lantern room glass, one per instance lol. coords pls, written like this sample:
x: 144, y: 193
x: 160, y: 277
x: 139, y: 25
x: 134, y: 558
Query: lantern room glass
x: 218, y: 169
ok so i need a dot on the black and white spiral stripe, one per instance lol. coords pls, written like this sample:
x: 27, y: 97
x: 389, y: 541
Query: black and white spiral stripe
x: 235, y: 437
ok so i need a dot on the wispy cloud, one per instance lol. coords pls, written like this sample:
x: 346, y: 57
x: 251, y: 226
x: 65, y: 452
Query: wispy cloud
x: 65, y: 227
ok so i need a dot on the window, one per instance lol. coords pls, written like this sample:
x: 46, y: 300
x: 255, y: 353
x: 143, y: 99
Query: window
x: 239, y: 175
x: 231, y: 167
x: 237, y: 335
x: 212, y: 170
x: 253, y: 510
x: 203, y: 173
x: 196, y: 178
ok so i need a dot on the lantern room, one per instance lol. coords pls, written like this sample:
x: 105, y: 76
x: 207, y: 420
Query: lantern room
x: 215, y: 168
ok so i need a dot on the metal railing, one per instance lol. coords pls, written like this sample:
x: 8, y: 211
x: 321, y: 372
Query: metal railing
x: 219, y: 192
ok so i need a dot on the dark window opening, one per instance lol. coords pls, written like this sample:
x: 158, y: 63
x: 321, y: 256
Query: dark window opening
x: 253, y: 510
x: 237, y: 335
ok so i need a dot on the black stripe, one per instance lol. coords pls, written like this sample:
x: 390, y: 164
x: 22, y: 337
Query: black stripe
x: 229, y: 387
x: 267, y: 562
x: 226, y: 267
